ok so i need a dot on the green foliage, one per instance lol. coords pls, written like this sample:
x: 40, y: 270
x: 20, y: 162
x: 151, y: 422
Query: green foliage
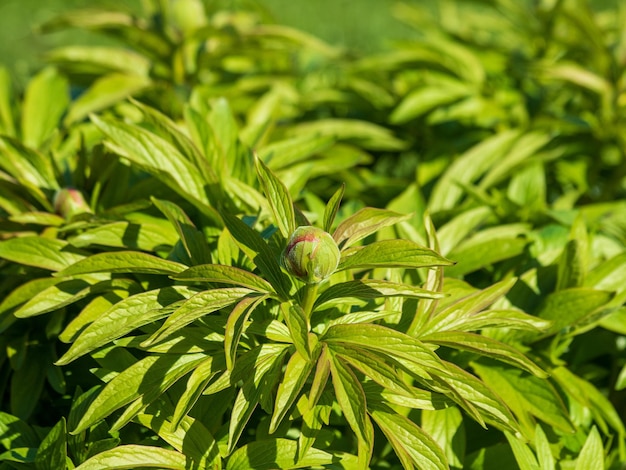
x: 473, y: 185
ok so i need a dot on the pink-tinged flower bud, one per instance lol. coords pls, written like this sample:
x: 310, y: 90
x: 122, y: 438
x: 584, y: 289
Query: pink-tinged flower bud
x: 311, y: 254
x: 69, y: 202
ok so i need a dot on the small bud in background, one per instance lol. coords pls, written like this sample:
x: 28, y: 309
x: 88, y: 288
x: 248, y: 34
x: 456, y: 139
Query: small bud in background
x: 311, y: 254
x: 69, y: 202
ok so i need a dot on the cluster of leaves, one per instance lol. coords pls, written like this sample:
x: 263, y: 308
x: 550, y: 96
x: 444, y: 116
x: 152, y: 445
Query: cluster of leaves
x: 475, y: 320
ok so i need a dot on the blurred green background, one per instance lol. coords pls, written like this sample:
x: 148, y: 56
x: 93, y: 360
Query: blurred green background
x: 362, y: 25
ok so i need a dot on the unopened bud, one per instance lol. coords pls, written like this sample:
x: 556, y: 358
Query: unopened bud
x: 311, y: 254
x: 69, y: 202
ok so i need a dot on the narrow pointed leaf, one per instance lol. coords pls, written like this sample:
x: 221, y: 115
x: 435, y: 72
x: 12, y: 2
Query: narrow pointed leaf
x: 124, y: 317
x: 133, y: 456
x: 279, y: 198
x: 257, y: 386
x: 203, y: 303
x: 123, y: 262
x: 45, y: 101
x: 269, y: 454
x: 298, y: 326
x: 391, y: 253
x: 363, y: 223
x: 194, y: 241
x: 226, y: 275
x: 260, y: 253
x: 384, y: 340
x: 592, y: 453
x: 235, y: 325
x: 446, y: 428
x: 373, y: 289
x: 191, y: 438
x: 146, y: 379
x: 198, y: 380
x: 52, y: 451
x: 485, y: 346
x: 332, y: 208
x: 412, y: 445
x: 40, y: 252
x: 296, y: 373
x: 351, y: 398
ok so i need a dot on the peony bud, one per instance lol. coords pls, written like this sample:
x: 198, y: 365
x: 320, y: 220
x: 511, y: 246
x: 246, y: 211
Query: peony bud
x: 311, y: 254
x: 69, y: 202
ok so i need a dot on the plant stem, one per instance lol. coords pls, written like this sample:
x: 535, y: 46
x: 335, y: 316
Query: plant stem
x: 308, y: 298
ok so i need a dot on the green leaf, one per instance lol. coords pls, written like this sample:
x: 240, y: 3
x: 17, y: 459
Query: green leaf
x: 101, y: 59
x: 104, y: 92
x: 476, y: 398
x: 544, y: 452
x: 279, y: 198
x: 609, y: 274
x: 570, y: 307
x: 285, y: 153
x: 373, y: 289
x: 297, y: 371
x: 527, y: 396
x: 386, y: 341
x: 270, y: 454
x: 453, y: 232
x: 468, y: 306
x: 362, y: 133
x: 133, y: 456
x: 572, y: 264
x: 194, y: 241
x: 351, y: 398
x: 391, y: 253
x: 590, y: 397
x: 31, y: 169
x: 146, y: 380
x: 524, y: 148
x: 332, y: 208
x: 425, y: 99
x: 485, y: 346
x: 523, y: 455
x: 123, y: 262
x: 7, y: 120
x: 145, y: 236
x: 190, y: 438
x: 447, y: 430
x: 299, y: 327
x: 54, y: 297
x: 198, y: 380
x: 27, y: 381
x: 259, y: 253
x: 373, y: 365
x: 172, y: 133
x: 235, y: 325
x: 484, y: 253
x: 124, y: 317
x: 26, y: 291
x: 40, y: 252
x: 15, y: 433
x: 467, y: 168
x: 592, y: 453
x: 53, y: 449
x: 225, y: 275
x: 45, y: 101
x: 262, y: 367
x: 363, y: 223
x: 233, y: 156
x: 160, y: 158
x: 412, y: 445
x: 203, y: 303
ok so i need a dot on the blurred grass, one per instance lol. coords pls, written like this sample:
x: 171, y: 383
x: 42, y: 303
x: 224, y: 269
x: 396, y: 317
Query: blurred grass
x: 363, y: 25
